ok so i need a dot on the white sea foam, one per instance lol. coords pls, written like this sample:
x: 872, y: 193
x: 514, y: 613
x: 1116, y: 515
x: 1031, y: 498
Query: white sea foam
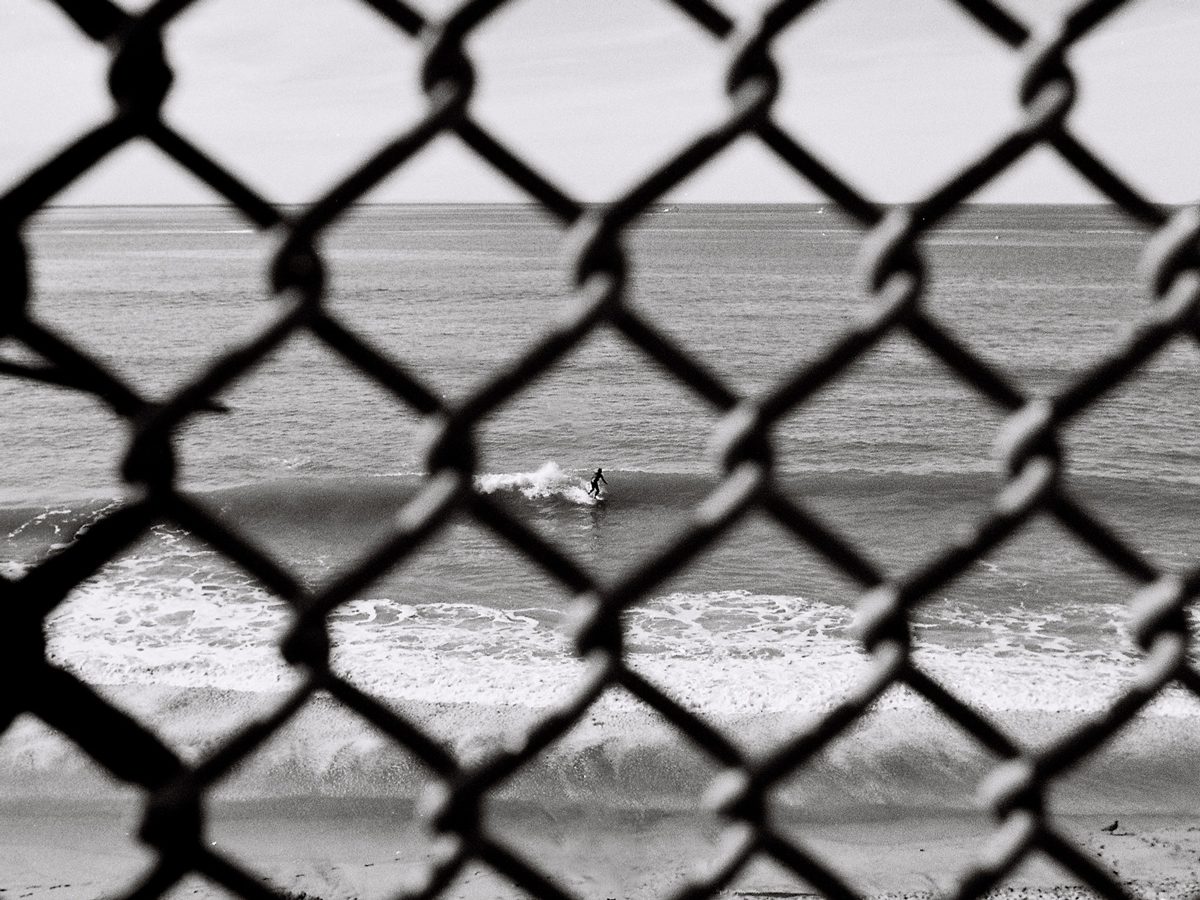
x: 159, y: 617
x: 195, y: 657
x: 166, y: 614
x: 190, y: 644
x: 547, y: 481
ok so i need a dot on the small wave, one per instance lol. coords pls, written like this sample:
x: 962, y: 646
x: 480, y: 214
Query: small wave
x: 291, y: 463
x: 621, y: 755
x: 296, y: 496
x: 737, y: 624
x: 29, y: 535
x: 549, y: 481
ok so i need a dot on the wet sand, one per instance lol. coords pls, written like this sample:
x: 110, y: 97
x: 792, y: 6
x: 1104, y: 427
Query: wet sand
x: 345, y: 851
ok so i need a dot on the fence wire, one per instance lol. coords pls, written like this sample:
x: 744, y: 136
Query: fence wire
x: 140, y: 79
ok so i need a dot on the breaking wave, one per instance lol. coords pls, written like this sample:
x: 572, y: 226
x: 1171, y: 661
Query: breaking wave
x: 621, y: 756
x: 191, y: 647
x: 546, y: 482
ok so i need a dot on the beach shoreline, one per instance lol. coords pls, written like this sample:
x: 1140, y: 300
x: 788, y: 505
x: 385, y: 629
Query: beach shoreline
x: 343, y: 849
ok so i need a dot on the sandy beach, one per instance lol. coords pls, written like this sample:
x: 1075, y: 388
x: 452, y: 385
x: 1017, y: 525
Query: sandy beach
x: 343, y: 851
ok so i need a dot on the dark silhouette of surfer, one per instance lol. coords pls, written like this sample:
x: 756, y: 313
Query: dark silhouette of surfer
x: 594, y: 490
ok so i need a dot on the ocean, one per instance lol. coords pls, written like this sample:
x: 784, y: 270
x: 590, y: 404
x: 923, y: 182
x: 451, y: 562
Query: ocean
x: 313, y: 462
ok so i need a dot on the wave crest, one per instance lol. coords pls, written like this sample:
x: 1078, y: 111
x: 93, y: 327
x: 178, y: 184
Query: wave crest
x: 549, y: 481
x: 619, y: 756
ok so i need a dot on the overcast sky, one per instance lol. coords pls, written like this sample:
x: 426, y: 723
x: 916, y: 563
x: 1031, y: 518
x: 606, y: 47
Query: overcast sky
x: 895, y: 94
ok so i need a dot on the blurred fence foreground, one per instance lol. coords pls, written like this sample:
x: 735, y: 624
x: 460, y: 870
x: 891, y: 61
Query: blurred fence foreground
x: 894, y: 275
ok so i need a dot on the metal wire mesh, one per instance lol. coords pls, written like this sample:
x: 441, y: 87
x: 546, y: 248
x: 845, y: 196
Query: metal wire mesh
x: 173, y: 825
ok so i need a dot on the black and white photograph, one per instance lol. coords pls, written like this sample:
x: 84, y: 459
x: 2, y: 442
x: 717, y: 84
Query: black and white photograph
x: 599, y: 449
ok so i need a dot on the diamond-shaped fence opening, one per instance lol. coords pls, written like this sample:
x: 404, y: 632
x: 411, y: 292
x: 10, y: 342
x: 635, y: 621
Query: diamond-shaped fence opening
x: 367, y: 642
x: 1065, y: 273
x: 922, y: 854
x: 176, y: 636
x: 346, y: 792
x: 1141, y: 772
x: 283, y: 460
x: 895, y: 454
x: 452, y: 297
x: 885, y: 127
x: 763, y: 557
x: 1039, y: 612
x: 901, y: 756
x: 786, y: 276
x: 98, y: 283
x: 761, y: 657
x: 618, y: 781
x: 542, y: 448
x: 296, y: 59
x: 573, y: 415
x: 465, y: 637
x: 541, y: 56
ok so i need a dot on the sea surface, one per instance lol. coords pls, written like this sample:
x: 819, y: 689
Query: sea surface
x: 313, y: 462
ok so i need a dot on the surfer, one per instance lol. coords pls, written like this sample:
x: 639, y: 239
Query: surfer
x: 594, y: 490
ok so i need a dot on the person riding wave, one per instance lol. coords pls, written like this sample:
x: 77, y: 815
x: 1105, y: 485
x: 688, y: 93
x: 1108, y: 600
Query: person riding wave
x: 594, y: 490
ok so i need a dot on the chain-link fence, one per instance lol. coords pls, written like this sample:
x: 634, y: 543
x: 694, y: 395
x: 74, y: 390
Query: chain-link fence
x: 173, y: 825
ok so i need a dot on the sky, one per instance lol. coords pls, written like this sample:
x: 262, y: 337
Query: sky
x: 893, y: 94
